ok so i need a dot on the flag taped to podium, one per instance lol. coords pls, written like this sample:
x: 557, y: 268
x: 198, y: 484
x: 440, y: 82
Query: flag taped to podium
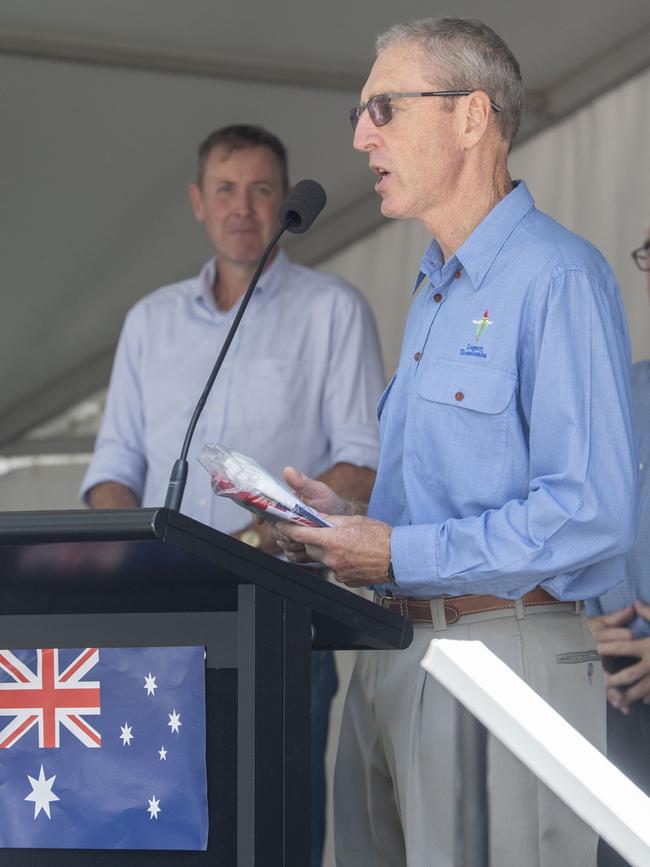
x: 103, y: 748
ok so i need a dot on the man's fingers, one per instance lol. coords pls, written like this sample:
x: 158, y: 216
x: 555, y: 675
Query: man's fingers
x: 614, y: 695
x: 639, y: 690
x: 341, y: 520
x: 609, y: 634
x: 316, y: 553
x: 615, y: 698
x: 624, y: 677
x: 618, y: 618
x: 642, y: 609
x: 287, y: 532
x: 295, y: 478
x: 291, y: 547
x: 624, y: 646
x: 298, y: 556
x: 304, y: 486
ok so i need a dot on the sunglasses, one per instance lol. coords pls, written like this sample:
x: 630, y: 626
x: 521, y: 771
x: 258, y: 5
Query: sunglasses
x: 381, y: 109
x: 642, y: 257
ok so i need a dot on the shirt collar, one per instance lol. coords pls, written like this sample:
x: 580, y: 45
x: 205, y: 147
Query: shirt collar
x: 481, y: 247
x: 269, y: 283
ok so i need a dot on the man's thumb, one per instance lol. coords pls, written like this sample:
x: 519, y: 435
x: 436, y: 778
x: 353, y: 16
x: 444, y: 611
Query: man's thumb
x: 295, y: 478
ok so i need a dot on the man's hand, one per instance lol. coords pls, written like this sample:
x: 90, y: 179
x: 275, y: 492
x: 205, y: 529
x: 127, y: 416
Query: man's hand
x: 112, y: 495
x: 631, y: 683
x: 316, y: 494
x: 614, y: 640
x: 612, y: 627
x: 355, y: 548
x: 313, y: 493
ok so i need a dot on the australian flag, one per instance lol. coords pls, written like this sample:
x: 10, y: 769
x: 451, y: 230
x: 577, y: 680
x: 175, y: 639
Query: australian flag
x: 103, y: 748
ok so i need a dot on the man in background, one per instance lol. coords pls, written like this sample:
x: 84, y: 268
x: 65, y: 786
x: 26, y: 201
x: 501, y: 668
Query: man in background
x: 300, y: 383
x: 621, y: 617
x: 506, y: 487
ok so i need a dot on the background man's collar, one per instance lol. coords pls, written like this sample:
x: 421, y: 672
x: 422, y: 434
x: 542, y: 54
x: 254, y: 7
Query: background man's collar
x: 269, y: 283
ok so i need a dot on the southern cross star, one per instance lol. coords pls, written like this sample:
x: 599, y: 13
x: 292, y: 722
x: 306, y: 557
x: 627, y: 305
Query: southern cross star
x: 153, y: 809
x: 174, y: 721
x: 41, y: 793
x: 150, y: 684
x: 126, y: 737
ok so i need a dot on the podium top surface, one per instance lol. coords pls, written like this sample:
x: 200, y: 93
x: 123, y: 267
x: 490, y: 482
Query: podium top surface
x: 157, y: 560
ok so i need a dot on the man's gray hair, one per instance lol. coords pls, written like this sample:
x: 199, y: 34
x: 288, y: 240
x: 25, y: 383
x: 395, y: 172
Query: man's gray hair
x: 467, y: 55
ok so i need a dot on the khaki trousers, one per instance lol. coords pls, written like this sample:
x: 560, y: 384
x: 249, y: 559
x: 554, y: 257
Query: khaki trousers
x: 395, y: 789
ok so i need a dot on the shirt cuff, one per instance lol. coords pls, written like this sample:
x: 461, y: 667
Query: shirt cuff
x: 413, y: 554
x: 356, y: 445
x: 125, y: 468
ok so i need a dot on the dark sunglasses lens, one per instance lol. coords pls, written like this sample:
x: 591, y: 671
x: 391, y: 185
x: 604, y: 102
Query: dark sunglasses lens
x: 355, y: 114
x: 380, y: 109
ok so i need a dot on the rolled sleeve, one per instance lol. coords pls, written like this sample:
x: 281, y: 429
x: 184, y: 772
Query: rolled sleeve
x: 119, y: 452
x: 355, y: 380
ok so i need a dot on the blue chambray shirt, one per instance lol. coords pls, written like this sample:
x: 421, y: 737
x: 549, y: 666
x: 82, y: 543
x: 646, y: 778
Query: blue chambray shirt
x: 507, y: 451
x: 637, y: 573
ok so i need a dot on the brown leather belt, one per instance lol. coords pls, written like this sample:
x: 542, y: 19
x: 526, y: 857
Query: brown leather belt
x: 419, y: 610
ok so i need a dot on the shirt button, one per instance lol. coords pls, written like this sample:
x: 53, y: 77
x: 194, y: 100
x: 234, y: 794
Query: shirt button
x: 437, y: 297
x: 458, y: 274
x: 417, y: 356
x: 459, y: 395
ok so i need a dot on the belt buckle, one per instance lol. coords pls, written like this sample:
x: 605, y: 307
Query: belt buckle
x: 451, y: 614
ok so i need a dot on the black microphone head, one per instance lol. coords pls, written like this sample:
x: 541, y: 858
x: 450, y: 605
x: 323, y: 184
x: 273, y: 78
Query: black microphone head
x: 301, y: 207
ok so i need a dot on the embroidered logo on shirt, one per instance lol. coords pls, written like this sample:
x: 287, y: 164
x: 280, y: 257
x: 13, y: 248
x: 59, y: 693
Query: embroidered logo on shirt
x: 481, y: 324
x: 474, y: 349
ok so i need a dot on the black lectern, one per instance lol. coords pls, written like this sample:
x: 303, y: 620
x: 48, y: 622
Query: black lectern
x: 148, y: 577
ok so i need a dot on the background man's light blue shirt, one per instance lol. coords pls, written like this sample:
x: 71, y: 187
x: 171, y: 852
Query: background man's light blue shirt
x: 299, y: 385
x: 637, y: 573
x: 507, y: 451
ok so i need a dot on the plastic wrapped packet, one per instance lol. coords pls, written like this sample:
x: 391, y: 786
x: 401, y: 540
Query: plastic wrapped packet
x: 244, y: 481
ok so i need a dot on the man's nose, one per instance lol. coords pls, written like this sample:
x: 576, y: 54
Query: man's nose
x: 365, y: 135
x: 244, y: 202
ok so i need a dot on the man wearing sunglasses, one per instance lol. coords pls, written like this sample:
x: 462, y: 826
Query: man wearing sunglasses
x: 621, y: 617
x: 506, y: 487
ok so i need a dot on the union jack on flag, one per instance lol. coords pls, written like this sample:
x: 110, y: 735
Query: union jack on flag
x: 49, y: 698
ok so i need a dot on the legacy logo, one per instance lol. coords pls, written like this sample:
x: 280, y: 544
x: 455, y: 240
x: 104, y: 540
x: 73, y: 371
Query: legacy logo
x: 475, y: 349
x: 481, y: 324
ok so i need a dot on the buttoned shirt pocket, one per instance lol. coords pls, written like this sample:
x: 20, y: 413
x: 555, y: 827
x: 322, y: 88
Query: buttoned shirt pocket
x: 461, y: 426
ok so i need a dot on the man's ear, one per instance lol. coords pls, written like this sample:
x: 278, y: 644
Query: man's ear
x: 477, y: 117
x: 196, y: 200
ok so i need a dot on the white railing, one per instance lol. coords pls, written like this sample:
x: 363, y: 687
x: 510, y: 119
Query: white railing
x: 552, y: 749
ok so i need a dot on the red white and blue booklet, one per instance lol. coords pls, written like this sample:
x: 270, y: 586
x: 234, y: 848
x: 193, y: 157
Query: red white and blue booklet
x: 245, y: 482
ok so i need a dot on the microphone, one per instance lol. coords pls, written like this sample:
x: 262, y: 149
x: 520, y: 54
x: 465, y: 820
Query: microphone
x: 302, y: 206
x: 296, y: 214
